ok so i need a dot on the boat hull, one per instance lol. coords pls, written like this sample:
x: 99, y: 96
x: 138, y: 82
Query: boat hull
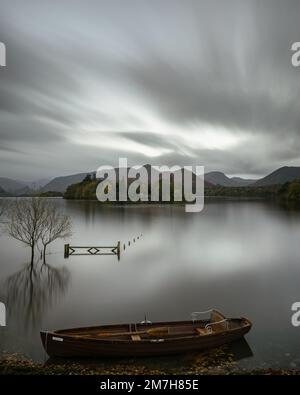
x: 59, y: 344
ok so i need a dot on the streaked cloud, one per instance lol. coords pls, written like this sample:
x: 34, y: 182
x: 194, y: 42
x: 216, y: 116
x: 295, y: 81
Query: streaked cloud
x: 176, y: 82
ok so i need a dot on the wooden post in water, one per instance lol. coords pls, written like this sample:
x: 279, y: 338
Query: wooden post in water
x: 119, y: 250
x: 67, y: 250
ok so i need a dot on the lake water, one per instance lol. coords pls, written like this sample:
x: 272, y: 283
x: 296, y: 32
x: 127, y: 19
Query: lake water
x: 238, y: 256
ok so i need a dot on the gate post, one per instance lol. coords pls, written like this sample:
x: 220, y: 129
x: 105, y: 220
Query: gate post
x: 119, y: 250
x: 67, y: 250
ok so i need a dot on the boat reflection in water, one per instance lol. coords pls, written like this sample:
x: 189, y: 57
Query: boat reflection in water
x: 240, y: 349
x: 34, y: 289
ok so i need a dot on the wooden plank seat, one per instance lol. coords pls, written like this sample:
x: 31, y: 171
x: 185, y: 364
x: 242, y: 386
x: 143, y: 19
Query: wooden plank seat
x: 203, y: 331
x: 182, y: 329
x: 136, y: 338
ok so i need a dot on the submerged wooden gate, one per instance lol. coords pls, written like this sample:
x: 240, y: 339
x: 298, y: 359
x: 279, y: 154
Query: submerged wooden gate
x: 92, y: 250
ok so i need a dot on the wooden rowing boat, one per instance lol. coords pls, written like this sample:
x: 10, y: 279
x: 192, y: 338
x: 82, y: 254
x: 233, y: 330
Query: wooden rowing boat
x: 145, y: 338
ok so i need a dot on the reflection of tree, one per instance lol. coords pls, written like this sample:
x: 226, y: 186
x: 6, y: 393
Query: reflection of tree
x: 33, y: 290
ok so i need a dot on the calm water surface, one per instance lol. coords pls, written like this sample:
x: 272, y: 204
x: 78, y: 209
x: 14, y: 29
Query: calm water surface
x: 240, y: 257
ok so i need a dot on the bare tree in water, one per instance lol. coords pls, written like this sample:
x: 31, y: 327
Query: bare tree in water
x: 56, y: 226
x: 25, y: 221
x: 3, y: 206
x: 1, y: 209
x: 36, y: 219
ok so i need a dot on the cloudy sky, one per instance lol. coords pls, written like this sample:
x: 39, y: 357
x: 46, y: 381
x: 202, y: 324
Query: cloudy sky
x: 163, y: 81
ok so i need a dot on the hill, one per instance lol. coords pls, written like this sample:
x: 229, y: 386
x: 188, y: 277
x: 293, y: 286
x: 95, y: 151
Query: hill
x: 11, y: 186
x: 3, y: 193
x: 86, y: 189
x: 60, y: 184
x: 219, y: 178
x: 242, y: 182
x: 280, y: 176
x: 214, y: 178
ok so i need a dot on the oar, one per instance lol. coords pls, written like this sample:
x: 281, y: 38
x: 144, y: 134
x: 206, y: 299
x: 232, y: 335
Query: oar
x: 152, y: 331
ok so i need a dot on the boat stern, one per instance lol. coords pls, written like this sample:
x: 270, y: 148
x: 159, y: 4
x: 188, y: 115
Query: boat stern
x: 247, y: 324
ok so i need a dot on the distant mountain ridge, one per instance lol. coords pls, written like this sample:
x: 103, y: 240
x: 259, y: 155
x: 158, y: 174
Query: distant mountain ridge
x: 3, y: 193
x: 86, y: 188
x: 10, y: 185
x: 280, y: 176
x: 38, y: 184
x: 243, y: 182
x: 213, y: 178
x: 219, y: 178
x: 60, y: 184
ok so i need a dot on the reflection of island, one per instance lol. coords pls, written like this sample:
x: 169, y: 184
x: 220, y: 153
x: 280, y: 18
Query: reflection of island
x: 33, y: 290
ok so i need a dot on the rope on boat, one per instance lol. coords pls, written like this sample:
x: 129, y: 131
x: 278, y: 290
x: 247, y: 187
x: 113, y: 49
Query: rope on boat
x: 208, y: 326
x: 195, y: 313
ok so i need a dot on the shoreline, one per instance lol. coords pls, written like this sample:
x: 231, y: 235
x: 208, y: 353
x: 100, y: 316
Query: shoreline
x: 11, y: 368
x: 209, y: 365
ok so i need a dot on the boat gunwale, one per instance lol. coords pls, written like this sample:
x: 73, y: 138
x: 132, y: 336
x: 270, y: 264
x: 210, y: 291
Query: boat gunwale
x: 81, y: 338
